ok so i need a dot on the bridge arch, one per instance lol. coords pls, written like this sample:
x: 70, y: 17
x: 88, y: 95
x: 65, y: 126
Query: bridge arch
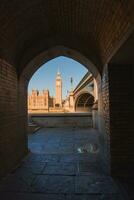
x: 84, y: 102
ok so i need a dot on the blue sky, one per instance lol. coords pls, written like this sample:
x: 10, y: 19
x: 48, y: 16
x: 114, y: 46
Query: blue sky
x: 44, y: 77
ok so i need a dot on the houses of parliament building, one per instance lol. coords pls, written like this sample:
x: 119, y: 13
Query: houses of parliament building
x: 43, y: 102
x: 78, y: 100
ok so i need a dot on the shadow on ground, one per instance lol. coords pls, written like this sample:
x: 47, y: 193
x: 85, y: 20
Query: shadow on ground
x: 62, y: 165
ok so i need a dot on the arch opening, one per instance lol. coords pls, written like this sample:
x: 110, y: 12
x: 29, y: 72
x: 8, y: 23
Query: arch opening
x: 56, y: 86
x: 33, y: 65
x: 52, y: 53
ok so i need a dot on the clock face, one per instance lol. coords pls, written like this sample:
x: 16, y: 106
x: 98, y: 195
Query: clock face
x: 58, y: 83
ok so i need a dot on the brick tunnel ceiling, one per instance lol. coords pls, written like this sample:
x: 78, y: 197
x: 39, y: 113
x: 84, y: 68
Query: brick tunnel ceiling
x: 31, y: 26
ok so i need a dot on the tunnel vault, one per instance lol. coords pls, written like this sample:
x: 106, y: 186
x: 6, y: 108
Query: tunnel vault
x: 31, y: 23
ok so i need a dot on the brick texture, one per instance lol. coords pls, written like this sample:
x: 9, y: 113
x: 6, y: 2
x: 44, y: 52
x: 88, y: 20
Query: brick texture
x: 106, y: 117
x: 12, y: 141
x: 101, y: 24
x: 121, y: 111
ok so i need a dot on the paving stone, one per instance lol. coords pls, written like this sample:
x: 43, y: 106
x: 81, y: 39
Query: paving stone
x: 31, y: 196
x: 87, y: 168
x: 54, y: 171
x: 34, y: 167
x: 68, y: 158
x: 94, y: 184
x: 15, y: 184
x: 33, y: 157
x: 52, y: 145
x: 60, y: 168
x: 42, y: 158
x: 67, y: 144
x: 94, y: 197
x: 36, y: 148
x: 51, y: 150
x: 53, y: 184
x: 25, y: 174
x: 66, y: 149
x: 52, y: 158
x: 81, y: 157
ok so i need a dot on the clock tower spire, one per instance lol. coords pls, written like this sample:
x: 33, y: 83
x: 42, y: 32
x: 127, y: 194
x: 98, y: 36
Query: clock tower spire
x: 58, y: 98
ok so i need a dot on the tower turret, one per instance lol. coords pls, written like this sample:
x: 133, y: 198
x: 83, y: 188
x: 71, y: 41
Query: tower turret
x: 58, y: 98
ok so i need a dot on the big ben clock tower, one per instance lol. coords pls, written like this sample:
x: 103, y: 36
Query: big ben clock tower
x: 58, y: 98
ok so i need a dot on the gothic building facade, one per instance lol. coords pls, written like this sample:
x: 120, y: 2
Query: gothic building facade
x: 80, y: 99
x: 43, y: 102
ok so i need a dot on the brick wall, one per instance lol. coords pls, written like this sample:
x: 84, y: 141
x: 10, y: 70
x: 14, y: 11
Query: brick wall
x: 105, y: 120
x: 22, y: 113
x: 105, y: 97
x: 118, y: 113
x: 121, y: 111
x: 12, y: 140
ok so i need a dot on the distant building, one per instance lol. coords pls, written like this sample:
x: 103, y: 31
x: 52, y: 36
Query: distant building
x: 43, y: 102
x: 80, y: 99
x: 39, y: 101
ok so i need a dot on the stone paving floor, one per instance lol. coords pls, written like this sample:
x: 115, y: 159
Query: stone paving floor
x: 62, y: 165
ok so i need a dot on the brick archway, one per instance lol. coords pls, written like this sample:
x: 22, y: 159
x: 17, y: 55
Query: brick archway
x: 54, y: 52
x: 44, y: 57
